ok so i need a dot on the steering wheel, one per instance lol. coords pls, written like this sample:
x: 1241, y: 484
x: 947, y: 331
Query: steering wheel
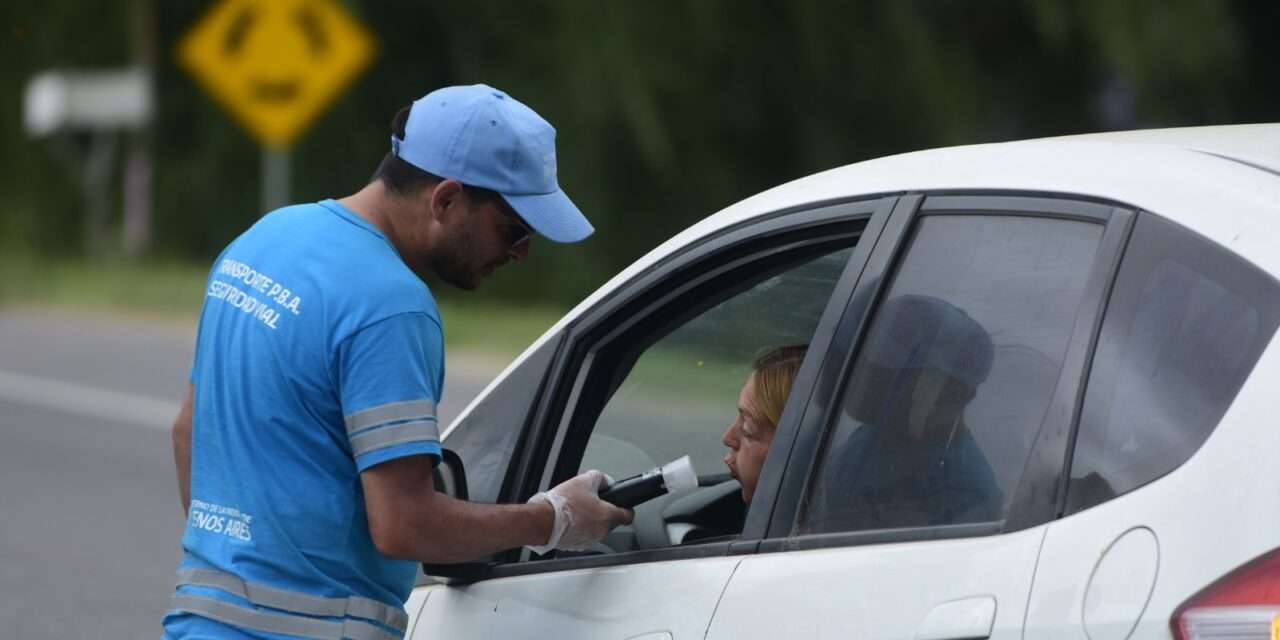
x: 713, y: 509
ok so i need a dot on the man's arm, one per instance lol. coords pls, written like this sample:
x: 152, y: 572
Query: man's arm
x: 409, y: 519
x: 182, y: 447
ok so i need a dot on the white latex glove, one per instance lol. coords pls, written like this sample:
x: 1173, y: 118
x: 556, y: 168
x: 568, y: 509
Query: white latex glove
x: 582, y: 518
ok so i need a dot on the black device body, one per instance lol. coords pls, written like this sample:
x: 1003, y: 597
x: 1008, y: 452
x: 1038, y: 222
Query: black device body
x: 629, y: 492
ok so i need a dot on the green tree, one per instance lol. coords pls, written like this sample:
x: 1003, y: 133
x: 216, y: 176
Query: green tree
x: 667, y: 111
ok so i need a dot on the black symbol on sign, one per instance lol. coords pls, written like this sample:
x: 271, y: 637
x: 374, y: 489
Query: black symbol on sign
x: 233, y: 40
x: 278, y: 91
x: 310, y: 25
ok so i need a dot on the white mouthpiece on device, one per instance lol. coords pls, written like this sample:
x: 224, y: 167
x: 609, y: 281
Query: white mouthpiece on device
x: 679, y: 475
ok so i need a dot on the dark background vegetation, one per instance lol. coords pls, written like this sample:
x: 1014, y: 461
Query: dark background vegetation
x: 667, y: 111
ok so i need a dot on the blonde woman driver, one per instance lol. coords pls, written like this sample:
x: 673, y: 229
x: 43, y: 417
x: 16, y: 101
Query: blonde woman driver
x: 759, y: 408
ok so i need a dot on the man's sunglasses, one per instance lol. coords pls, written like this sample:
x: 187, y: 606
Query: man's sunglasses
x: 515, y: 230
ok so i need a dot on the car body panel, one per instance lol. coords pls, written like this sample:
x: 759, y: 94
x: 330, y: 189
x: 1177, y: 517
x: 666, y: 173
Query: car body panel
x: 676, y: 598
x: 1196, y: 512
x: 880, y: 591
x: 413, y: 607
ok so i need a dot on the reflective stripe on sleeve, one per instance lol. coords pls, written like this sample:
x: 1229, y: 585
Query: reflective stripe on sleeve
x: 393, y: 412
x: 294, y: 602
x: 415, y: 431
x: 284, y: 624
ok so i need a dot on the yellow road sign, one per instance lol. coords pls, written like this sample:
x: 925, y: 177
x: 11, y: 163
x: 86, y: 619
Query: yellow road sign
x: 276, y: 64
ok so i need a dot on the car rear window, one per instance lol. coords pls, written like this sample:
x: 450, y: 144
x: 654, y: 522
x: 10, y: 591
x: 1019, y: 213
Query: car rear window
x: 1185, y: 325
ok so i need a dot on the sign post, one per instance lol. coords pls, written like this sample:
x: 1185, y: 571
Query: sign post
x: 275, y: 178
x: 276, y: 65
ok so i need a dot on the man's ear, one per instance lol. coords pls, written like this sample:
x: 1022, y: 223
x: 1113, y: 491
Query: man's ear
x: 444, y: 200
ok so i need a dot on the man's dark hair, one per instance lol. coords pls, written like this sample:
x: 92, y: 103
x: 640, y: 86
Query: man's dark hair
x: 404, y: 179
x: 400, y: 177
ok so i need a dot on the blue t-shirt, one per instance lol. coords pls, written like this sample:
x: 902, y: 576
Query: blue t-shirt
x: 319, y: 354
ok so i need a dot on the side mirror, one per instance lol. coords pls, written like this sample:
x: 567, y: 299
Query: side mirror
x: 450, y: 478
x: 449, y: 475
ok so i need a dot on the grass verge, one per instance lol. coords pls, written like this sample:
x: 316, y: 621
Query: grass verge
x: 173, y: 292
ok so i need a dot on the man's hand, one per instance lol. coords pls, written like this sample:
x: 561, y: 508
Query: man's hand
x: 581, y: 517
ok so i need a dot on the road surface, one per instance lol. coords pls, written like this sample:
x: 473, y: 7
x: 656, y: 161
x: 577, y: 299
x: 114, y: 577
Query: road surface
x: 89, y: 514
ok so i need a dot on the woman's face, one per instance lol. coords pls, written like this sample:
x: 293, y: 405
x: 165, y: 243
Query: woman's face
x: 748, y: 439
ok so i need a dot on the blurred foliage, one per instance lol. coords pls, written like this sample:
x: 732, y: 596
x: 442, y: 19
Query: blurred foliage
x: 667, y: 111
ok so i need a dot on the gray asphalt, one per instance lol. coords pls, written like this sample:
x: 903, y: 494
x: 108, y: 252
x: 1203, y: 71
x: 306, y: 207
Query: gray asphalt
x: 90, y: 521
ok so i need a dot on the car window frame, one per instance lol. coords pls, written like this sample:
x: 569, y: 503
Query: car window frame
x: 779, y: 258
x: 534, y: 465
x: 1039, y: 494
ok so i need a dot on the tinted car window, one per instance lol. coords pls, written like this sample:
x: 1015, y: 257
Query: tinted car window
x: 1185, y: 325
x: 951, y: 383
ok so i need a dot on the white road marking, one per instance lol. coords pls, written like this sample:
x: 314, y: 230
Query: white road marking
x: 86, y: 401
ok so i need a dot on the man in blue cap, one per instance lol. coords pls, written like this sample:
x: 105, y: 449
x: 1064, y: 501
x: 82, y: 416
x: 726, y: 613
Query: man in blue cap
x: 306, y: 444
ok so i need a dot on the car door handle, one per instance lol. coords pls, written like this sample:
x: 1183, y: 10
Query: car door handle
x: 658, y: 635
x: 966, y: 619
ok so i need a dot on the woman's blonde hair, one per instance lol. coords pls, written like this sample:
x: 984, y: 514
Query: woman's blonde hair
x: 774, y: 371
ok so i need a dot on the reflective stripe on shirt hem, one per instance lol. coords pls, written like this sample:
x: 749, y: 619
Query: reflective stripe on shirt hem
x: 367, y: 441
x: 294, y: 602
x: 284, y: 624
x: 392, y: 412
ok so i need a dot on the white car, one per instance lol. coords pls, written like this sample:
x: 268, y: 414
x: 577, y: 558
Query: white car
x: 1111, y: 472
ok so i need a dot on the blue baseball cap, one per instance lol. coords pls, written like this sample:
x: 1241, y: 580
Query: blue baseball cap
x: 484, y: 138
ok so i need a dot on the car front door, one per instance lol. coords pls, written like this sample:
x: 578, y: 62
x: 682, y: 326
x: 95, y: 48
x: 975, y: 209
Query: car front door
x: 652, y: 373
x: 928, y: 459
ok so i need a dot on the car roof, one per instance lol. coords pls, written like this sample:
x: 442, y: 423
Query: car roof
x: 1255, y: 144
x: 1220, y: 182
x: 1217, y: 181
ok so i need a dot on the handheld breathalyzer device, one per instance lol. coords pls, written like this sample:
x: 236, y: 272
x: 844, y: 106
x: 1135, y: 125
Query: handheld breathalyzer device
x: 671, y: 477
